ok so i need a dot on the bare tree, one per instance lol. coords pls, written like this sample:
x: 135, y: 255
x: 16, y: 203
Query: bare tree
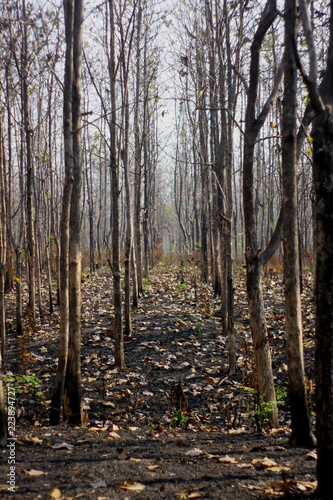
x: 118, y: 324
x: 255, y: 257
x: 300, y: 419
x: 322, y: 133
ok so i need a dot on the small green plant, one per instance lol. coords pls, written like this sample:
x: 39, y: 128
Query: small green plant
x: 25, y: 383
x: 198, y: 329
x: 178, y: 419
x: 259, y: 409
x: 181, y: 287
x: 146, y: 283
x: 281, y: 394
x: 161, y: 266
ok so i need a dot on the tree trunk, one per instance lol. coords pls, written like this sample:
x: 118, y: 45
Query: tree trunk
x: 125, y: 156
x: 323, y: 181
x: 137, y: 162
x: 323, y: 236
x: 58, y: 388
x: 30, y: 172
x: 118, y: 322
x: 255, y: 261
x: 73, y: 407
x: 3, y: 245
x: 300, y: 419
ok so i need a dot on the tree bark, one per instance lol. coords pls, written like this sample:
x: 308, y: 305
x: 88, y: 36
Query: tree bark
x: 118, y: 322
x: 137, y: 162
x: 300, y: 419
x: 58, y: 388
x: 73, y: 406
x: 254, y: 259
x: 30, y: 172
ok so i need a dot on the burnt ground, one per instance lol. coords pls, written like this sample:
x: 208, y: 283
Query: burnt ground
x: 134, y: 443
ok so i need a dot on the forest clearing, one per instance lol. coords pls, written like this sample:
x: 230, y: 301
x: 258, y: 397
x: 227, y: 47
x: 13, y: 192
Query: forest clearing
x: 217, y: 446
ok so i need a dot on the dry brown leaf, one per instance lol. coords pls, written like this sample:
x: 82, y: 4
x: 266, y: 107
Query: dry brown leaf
x: 98, y: 429
x: 55, y: 493
x: 98, y: 484
x: 312, y: 455
x: 195, y: 452
x: 33, y: 439
x: 64, y: 446
x: 244, y: 466
x: 306, y: 485
x: 153, y: 467
x: 181, y: 496
x: 114, y: 435
x: 242, y: 486
x: 265, y: 463
x: 131, y: 486
x: 227, y: 460
x: 34, y: 472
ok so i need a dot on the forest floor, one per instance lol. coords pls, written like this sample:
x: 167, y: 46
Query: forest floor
x: 134, y: 443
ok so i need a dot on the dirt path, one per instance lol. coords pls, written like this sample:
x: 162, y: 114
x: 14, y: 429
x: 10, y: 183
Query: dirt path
x: 131, y: 446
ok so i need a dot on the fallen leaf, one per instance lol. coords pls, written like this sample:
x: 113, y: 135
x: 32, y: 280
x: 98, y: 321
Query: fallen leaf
x: 114, y: 435
x: 55, y: 493
x: 227, y: 460
x: 308, y: 485
x: 65, y: 446
x: 312, y: 455
x: 99, y: 484
x: 33, y: 439
x: 153, y: 467
x: 99, y: 429
x: 265, y: 463
x: 131, y: 486
x: 195, y: 452
x: 280, y: 486
x: 34, y: 472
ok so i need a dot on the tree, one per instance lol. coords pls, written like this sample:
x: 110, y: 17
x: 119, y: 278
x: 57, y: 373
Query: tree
x: 114, y: 164
x: 255, y: 257
x: 322, y: 134
x: 73, y: 391
x: 69, y: 363
x: 300, y: 419
x: 29, y: 167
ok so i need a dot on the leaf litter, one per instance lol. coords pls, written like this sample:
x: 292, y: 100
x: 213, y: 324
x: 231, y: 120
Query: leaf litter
x: 132, y: 430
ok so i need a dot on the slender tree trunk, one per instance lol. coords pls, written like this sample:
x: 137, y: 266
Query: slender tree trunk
x: 300, y: 419
x: 3, y: 421
x: 254, y: 258
x: 125, y: 155
x: 323, y: 236
x: 58, y: 388
x: 30, y: 172
x: 137, y: 162
x: 118, y: 322
x: 73, y: 407
x: 3, y: 245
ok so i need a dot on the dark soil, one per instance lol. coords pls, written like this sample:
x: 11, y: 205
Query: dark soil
x: 177, y: 359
